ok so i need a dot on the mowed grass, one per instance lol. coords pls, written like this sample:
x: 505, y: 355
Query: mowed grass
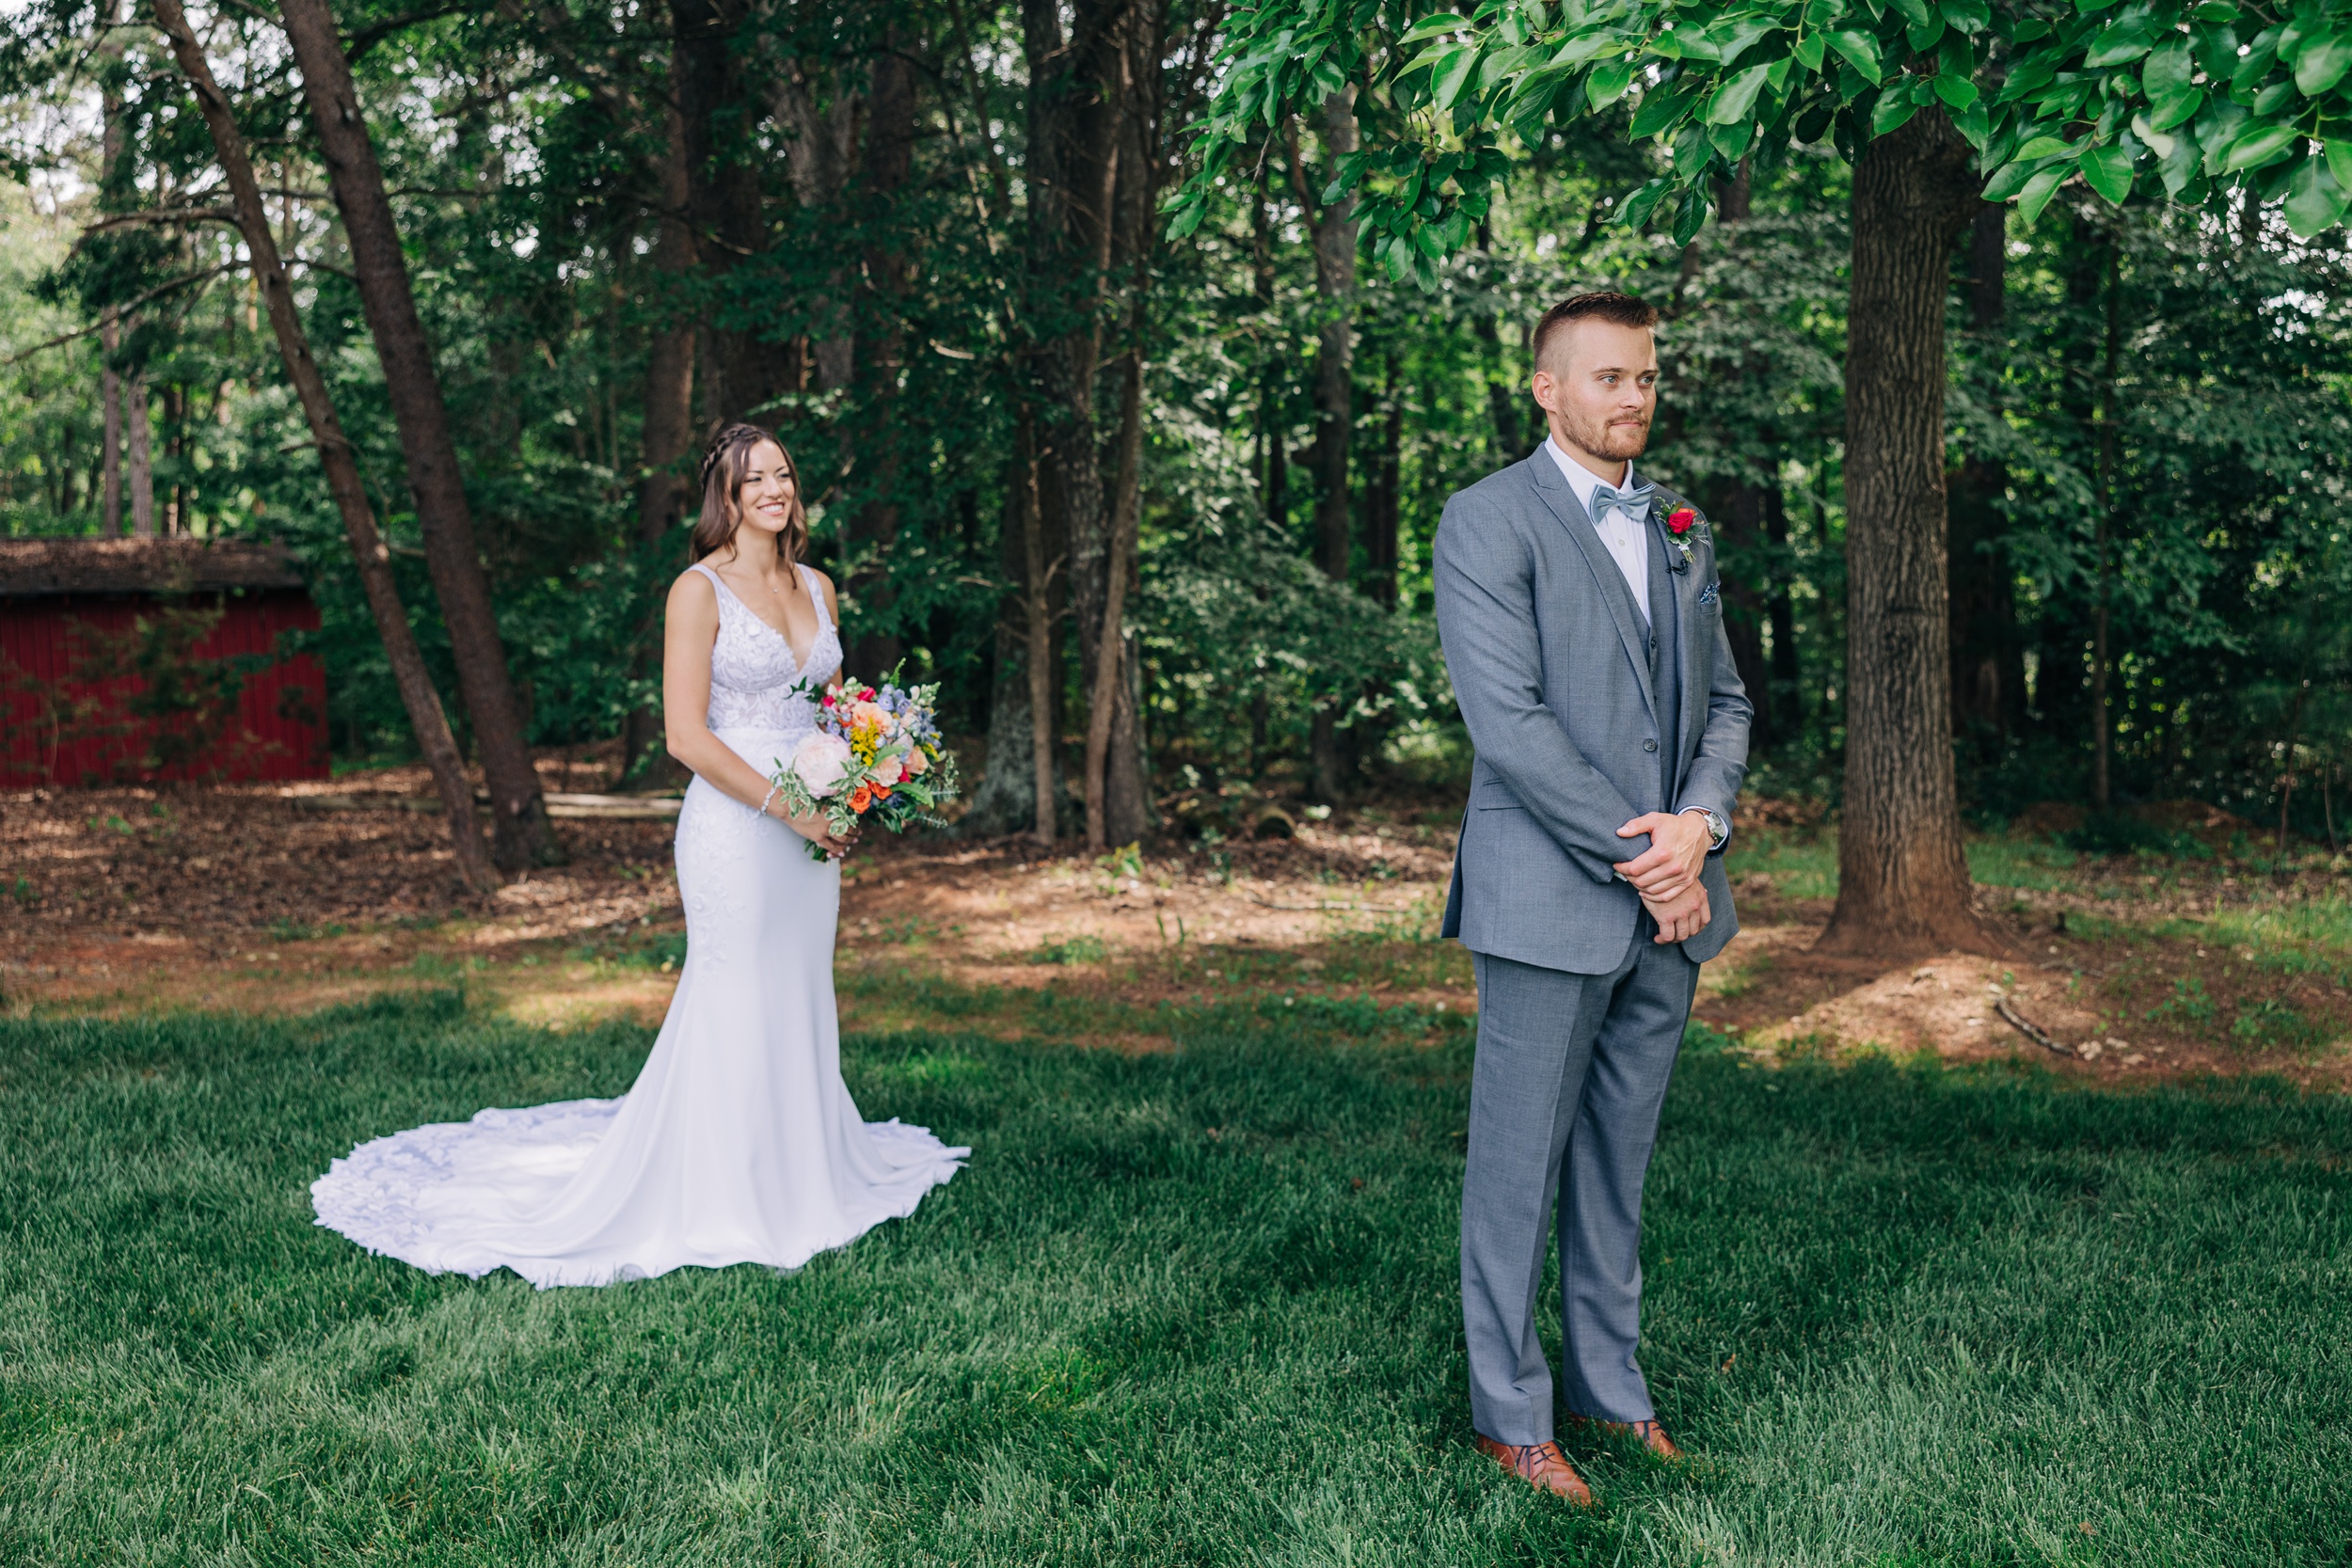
x: 1195, y: 1306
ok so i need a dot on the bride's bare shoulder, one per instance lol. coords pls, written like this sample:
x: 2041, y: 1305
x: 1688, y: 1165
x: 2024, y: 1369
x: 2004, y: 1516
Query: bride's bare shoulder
x: 692, y: 590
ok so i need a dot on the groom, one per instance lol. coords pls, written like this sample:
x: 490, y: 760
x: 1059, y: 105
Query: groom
x: 1582, y: 624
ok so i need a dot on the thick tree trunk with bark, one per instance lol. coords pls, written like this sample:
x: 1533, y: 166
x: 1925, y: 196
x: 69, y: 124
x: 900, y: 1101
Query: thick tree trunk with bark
x: 372, y: 559
x: 1903, y: 886
x: 521, y: 834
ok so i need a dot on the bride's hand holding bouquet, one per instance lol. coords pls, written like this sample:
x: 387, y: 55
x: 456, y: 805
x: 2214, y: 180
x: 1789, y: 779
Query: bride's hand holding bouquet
x: 875, y: 755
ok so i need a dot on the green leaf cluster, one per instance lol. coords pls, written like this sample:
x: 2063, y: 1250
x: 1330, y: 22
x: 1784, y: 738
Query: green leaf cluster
x: 2190, y: 97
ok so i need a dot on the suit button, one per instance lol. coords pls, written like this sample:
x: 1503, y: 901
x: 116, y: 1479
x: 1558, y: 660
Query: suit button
x: 1649, y: 745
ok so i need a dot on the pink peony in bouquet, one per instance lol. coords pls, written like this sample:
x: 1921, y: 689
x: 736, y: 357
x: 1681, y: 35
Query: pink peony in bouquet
x: 875, y: 757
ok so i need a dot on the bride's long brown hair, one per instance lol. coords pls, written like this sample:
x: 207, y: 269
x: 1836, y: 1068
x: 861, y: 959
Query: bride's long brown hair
x: 724, y: 460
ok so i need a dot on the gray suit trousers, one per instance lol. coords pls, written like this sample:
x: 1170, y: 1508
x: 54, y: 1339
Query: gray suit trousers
x: 1564, y: 1096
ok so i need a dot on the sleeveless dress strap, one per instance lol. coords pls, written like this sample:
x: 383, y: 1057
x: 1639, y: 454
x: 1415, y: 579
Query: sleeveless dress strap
x: 706, y: 571
x: 817, y: 596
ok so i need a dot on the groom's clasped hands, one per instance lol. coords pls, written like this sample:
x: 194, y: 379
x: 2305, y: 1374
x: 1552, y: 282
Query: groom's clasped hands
x: 1666, y: 874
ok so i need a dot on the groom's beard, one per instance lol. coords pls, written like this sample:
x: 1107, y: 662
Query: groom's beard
x: 1611, y: 443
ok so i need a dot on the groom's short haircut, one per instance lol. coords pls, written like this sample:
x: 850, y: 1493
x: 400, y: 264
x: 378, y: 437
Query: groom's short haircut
x: 1620, y: 309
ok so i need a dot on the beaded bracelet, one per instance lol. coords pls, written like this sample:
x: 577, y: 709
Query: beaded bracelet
x: 770, y: 800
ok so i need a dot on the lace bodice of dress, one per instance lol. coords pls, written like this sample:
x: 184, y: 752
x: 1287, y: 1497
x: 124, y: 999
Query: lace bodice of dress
x: 755, y: 683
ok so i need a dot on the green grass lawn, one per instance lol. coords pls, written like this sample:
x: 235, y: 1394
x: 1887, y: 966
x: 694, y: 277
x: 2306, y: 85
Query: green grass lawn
x: 1189, y: 1307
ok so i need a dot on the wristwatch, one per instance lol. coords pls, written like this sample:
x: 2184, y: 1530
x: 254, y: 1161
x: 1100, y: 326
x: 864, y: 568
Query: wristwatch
x: 1718, y: 830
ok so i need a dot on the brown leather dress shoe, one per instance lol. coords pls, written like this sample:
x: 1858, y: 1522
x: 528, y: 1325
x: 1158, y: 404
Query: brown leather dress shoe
x: 1651, y: 1434
x: 1541, y: 1465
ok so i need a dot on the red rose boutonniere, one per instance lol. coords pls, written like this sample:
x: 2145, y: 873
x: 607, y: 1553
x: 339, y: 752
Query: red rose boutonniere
x: 1678, y: 523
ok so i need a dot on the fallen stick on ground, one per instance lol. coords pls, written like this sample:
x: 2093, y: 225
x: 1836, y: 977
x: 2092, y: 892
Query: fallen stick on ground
x: 2033, y: 1032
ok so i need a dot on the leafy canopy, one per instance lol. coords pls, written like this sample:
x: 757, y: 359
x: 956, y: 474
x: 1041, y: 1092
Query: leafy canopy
x: 2202, y: 97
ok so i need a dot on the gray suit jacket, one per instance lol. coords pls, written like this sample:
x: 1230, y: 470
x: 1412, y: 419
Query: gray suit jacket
x: 1549, y: 662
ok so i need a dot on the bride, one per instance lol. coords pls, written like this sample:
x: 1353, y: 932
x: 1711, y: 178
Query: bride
x: 738, y: 1142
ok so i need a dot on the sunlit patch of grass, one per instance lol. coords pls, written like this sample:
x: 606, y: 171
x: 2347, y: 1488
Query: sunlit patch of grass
x: 294, y: 930
x: 1731, y: 976
x: 2274, y: 1024
x: 1084, y: 948
x: 663, y: 950
x: 2015, y: 861
x: 2302, y: 935
x: 1802, y: 861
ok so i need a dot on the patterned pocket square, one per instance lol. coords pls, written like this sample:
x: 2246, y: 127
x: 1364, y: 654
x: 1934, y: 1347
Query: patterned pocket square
x: 1711, y: 593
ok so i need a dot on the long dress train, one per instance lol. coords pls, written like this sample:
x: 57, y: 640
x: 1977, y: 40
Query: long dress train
x: 739, y: 1143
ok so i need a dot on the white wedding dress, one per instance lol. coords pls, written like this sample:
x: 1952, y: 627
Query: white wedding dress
x: 738, y: 1142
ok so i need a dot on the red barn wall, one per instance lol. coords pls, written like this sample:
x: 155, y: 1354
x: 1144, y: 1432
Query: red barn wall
x: 280, y: 729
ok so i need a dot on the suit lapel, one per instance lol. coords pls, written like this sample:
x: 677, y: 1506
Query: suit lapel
x: 1553, y: 487
x: 1686, y: 588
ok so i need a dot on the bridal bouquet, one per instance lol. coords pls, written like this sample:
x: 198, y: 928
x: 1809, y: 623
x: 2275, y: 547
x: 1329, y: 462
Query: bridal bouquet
x: 874, y: 757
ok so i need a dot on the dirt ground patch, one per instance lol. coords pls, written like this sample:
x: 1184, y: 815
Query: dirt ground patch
x: 129, y: 900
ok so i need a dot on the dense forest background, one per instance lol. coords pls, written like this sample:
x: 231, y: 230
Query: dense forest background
x: 922, y: 241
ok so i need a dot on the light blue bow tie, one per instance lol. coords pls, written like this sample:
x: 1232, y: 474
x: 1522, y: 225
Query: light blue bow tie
x: 1633, y: 501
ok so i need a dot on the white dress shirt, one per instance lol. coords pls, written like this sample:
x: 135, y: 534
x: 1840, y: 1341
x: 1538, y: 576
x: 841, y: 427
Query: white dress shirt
x: 1628, y: 545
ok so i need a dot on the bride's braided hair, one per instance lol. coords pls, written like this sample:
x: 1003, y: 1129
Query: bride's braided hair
x: 725, y: 461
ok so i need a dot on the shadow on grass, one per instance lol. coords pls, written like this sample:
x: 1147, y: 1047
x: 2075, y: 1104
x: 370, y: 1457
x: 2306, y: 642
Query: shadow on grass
x: 1195, y: 1306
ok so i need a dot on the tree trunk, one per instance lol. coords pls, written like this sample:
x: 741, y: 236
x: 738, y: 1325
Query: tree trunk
x: 521, y: 835
x: 1038, y: 651
x: 824, y: 115
x: 881, y: 348
x: 729, y: 219
x: 1077, y: 106
x: 110, y: 389
x: 1006, y: 798
x: 1335, y: 287
x: 1742, y: 514
x: 1787, y: 691
x: 1118, y: 802
x: 1109, y: 694
x: 1383, y: 502
x: 372, y: 559
x: 176, y: 449
x: 664, y: 495
x: 1988, y: 670
x: 1903, y: 886
x: 1506, y: 395
x: 1273, y: 480
x: 110, y: 320
x: 140, y: 455
x: 1743, y: 503
x: 2102, y: 662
